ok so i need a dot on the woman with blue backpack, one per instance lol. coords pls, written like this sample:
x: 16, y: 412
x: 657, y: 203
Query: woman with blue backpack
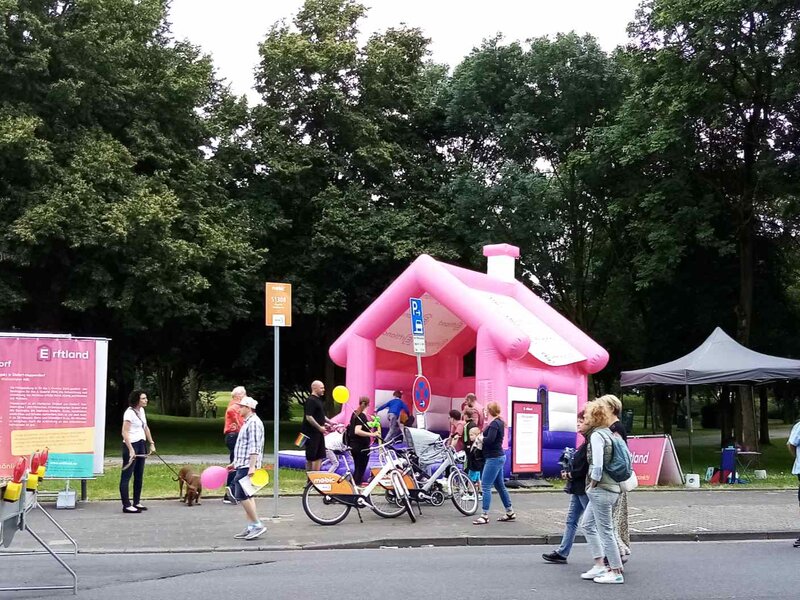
x: 607, y: 456
x: 575, y: 469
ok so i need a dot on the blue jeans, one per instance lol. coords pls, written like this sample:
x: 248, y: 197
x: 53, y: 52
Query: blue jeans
x: 577, y: 504
x: 598, y: 526
x: 493, y: 476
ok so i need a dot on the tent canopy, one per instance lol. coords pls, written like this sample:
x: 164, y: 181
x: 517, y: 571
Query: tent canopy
x: 720, y: 359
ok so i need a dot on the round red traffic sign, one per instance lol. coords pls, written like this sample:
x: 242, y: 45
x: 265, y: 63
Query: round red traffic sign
x: 422, y: 394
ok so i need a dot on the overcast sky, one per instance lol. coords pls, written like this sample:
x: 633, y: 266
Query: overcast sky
x: 230, y: 30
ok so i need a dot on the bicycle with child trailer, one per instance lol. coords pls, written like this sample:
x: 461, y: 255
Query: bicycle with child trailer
x: 448, y: 480
x: 329, y: 497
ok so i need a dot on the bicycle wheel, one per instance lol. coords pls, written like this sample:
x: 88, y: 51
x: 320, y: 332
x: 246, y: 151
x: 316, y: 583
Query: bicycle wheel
x: 403, y: 498
x: 463, y: 493
x: 385, y: 503
x: 321, y: 509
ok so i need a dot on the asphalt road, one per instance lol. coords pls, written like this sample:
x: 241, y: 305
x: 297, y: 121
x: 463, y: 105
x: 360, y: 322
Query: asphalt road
x: 678, y: 570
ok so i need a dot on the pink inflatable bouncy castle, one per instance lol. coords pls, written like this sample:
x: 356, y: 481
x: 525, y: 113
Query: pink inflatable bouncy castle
x: 485, y: 333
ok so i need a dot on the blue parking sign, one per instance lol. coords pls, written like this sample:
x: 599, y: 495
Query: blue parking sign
x: 417, y: 319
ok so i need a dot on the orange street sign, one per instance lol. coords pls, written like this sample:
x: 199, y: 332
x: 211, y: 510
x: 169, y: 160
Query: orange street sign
x: 279, y: 304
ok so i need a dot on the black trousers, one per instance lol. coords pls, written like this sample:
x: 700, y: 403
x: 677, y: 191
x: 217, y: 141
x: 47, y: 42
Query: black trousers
x: 360, y: 462
x: 136, y: 470
x: 230, y: 442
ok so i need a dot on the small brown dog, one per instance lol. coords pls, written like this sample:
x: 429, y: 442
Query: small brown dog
x: 193, y: 486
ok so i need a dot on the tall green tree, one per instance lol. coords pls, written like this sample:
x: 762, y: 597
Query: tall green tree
x: 711, y: 123
x: 345, y: 148
x: 115, y: 218
x: 519, y: 122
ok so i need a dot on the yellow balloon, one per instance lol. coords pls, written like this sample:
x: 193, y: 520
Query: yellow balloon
x: 341, y: 394
x: 260, y: 478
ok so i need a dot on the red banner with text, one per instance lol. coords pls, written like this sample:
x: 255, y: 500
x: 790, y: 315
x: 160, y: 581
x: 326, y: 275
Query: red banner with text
x: 655, y: 460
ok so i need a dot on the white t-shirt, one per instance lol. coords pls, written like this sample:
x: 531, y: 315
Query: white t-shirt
x: 138, y: 422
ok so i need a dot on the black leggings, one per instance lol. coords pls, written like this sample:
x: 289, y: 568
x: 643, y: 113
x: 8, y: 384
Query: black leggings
x: 360, y: 462
x: 136, y: 470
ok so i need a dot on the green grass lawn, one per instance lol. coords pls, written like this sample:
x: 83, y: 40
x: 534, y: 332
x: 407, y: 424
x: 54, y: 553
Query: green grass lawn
x: 197, y: 435
x: 159, y: 482
x: 193, y: 436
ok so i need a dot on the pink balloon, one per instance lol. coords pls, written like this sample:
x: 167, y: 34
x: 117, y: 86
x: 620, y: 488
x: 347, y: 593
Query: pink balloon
x: 214, y: 477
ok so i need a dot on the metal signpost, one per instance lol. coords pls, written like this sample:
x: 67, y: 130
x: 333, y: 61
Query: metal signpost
x: 418, y: 330
x: 278, y: 298
x: 422, y: 389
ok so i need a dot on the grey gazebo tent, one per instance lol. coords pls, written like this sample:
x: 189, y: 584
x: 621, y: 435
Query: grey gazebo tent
x: 720, y: 359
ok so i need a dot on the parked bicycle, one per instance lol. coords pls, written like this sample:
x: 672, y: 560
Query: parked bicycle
x: 329, y: 497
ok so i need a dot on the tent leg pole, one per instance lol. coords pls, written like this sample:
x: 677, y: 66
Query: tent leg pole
x: 690, y: 425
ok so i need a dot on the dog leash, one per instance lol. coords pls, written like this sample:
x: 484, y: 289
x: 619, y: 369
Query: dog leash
x: 169, y: 466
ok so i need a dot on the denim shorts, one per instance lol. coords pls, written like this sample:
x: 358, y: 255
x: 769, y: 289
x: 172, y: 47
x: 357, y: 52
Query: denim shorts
x: 237, y: 490
x: 474, y: 476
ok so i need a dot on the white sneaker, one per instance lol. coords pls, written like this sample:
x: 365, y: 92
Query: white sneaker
x: 255, y: 532
x: 595, y: 571
x: 610, y: 577
x: 243, y: 535
x: 467, y: 498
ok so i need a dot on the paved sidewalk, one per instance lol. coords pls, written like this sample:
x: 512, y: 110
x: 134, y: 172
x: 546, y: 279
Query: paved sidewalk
x: 169, y: 526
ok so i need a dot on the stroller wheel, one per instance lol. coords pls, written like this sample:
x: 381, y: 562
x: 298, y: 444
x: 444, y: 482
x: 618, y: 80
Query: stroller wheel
x: 437, y: 498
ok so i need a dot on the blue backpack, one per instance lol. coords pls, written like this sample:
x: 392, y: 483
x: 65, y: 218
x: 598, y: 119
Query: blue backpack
x: 620, y: 467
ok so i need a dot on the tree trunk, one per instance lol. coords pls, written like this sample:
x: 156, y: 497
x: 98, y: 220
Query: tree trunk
x: 763, y: 435
x: 746, y: 226
x: 193, y: 377
x: 169, y: 379
x: 120, y: 384
x: 665, y: 409
x: 748, y: 437
x: 737, y: 414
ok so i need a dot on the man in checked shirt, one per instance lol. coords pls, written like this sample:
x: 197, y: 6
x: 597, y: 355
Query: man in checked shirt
x: 247, y: 456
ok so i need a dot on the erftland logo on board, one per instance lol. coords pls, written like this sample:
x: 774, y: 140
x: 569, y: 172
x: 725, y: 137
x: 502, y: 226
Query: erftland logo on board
x: 46, y: 354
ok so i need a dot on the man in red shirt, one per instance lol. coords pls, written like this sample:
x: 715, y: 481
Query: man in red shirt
x: 233, y: 423
x: 471, y: 401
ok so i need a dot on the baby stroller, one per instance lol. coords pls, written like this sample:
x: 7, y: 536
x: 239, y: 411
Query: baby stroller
x: 427, y: 451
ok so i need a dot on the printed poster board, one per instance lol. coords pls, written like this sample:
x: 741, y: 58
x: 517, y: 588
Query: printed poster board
x: 526, y: 446
x: 53, y: 394
x: 655, y: 460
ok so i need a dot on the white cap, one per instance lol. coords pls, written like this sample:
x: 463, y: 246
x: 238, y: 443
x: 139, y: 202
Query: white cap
x: 249, y: 402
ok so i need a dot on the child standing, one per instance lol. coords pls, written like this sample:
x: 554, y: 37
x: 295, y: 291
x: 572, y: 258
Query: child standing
x: 475, y: 460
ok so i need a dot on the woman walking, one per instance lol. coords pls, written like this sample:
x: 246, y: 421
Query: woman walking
x: 494, y: 463
x: 576, y: 487
x: 603, y: 492
x: 621, y: 507
x: 135, y: 437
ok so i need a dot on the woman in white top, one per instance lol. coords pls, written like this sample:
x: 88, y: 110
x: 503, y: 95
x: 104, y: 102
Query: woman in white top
x: 135, y: 437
